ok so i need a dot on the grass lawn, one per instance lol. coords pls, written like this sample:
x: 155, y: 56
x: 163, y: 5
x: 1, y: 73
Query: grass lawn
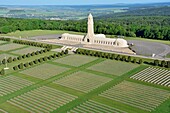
x: 11, y: 46
x: 75, y: 60
x: 83, y: 81
x: 2, y: 56
x: 32, y: 33
x: 26, y: 50
x: 113, y: 67
x: 2, y: 42
x: 77, y: 83
x: 44, y: 71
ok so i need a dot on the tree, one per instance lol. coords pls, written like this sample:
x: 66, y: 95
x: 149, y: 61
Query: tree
x: 118, y: 57
x: 15, y: 68
x: 31, y: 63
x: 163, y: 63
x: 129, y: 59
x: 2, y: 72
x: 66, y: 51
x: 156, y: 62
x: 168, y: 64
x: 134, y: 60
x: 26, y: 64
x: 21, y: 66
x: 9, y: 60
x: 123, y: 58
x: 19, y: 58
x: 4, y: 61
x: 15, y: 59
x: 140, y: 61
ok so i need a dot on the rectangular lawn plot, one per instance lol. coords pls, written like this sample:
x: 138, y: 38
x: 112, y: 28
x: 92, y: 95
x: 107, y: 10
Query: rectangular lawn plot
x: 113, y: 67
x: 94, y: 107
x: 2, y: 56
x: 83, y: 81
x: 137, y: 95
x: 27, y: 50
x: 11, y: 46
x: 44, y: 71
x: 154, y: 75
x: 75, y: 60
x: 42, y: 100
x: 10, y: 84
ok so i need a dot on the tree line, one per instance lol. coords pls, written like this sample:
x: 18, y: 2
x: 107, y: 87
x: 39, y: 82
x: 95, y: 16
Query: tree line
x: 145, y: 27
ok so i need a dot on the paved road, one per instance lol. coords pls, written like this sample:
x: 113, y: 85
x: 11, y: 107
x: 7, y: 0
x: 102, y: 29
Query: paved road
x: 147, y: 48
x: 80, y: 46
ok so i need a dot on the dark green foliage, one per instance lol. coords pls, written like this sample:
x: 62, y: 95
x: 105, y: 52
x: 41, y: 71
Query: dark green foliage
x: 45, y: 58
x: 33, y: 54
x: 35, y: 61
x: 24, y: 56
x: 118, y: 57
x: 15, y: 59
x: 5, y: 39
x: 26, y: 64
x: 2, y: 72
x: 31, y: 63
x: 129, y: 59
x: 163, y: 63
x: 140, y: 61
x: 168, y: 64
x: 9, y: 60
x: 19, y: 58
x: 21, y: 66
x: 66, y: 51
x: 15, y: 68
x: 123, y: 58
x: 156, y: 62
x: 4, y: 61
x: 40, y: 60
x: 153, y: 27
x: 134, y: 60
x: 28, y: 55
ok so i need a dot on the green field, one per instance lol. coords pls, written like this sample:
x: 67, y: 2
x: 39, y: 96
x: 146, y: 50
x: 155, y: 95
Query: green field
x: 32, y: 33
x: 113, y: 67
x: 77, y: 83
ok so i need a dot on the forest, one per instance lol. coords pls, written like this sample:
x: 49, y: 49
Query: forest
x: 152, y: 27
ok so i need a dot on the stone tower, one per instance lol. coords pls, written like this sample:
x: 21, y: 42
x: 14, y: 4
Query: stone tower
x: 90, y: 30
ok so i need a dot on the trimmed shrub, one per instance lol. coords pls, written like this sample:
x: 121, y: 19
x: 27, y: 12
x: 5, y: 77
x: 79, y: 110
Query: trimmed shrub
x: 9, y: 60
x: 33, y: 54
x: 31, y: 63
x: 163, y: 63
x: 2, y: 72
x: 19, y: 58
x: 15, y: 59
x: 26, y: 64
x: 129, y: 59
x: 15, y: 68
x: 35, y: 61
x: 28, y: 55
x: 24, y: 56
x: 4, y: 61
x: 140, y: 61
x: 156, y: 62
x: 168, y: 64
x: 123, y: 58
x: 118, y: 57
x: 21, y: 66
x: 134, y: 60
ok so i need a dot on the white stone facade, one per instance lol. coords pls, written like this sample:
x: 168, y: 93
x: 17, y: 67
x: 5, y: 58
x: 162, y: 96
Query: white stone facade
x: 91, y: 38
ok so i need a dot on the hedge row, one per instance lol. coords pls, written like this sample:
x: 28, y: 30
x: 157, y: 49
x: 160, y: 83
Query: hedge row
x: 10, y: 59
x: 108, y: 56
x: 122, y: 58
x: 5, y: 39
x: 40, y: 60
x: 36, y: 44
